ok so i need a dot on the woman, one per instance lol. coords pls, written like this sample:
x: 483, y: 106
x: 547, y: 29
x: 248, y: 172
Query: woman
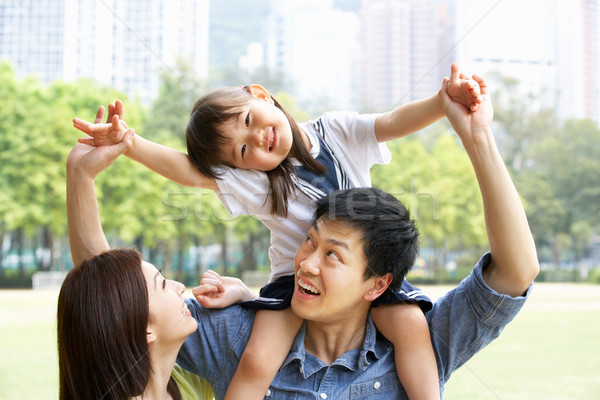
x: 120, y: 326
x: 120, y: 322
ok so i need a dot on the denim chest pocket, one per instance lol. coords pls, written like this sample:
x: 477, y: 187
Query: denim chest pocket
x: 382, y: 387
x: 277, y: 394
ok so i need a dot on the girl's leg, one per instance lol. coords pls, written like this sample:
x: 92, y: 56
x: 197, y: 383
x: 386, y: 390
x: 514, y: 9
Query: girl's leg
x: 270, y: 342
x: 406, y: 327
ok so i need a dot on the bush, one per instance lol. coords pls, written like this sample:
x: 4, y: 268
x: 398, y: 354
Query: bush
x: 594, y: 276
x: 12, y: 280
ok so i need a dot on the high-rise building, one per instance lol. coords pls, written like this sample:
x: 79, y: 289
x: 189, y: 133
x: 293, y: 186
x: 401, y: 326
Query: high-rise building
x: 385, y: 47
x: 550, y: 47
x: 120, y: 43
x: 314, y: 45
x: 401, y: 51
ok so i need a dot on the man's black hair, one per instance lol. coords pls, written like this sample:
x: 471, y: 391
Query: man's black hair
x: 390, y: 237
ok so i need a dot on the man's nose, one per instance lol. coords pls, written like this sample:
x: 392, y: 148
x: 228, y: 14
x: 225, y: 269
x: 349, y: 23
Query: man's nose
x: 310, y: 265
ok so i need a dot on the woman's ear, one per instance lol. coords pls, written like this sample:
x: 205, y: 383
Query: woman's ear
x: 150, y: 336
x: 260, y: 92
x: 380, y: 284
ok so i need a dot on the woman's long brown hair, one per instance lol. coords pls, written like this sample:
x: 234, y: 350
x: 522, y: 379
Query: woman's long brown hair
x: 102, y: 320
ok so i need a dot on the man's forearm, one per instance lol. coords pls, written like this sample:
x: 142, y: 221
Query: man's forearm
x: 514, y: 257
x: 86, y: 237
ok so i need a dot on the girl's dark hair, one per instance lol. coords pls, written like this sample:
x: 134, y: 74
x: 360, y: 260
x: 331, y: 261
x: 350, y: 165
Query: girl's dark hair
x: 102, y: 323
x: 205, y: 139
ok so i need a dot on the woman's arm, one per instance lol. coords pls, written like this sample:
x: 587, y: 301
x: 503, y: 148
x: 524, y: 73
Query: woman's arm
x: 86, y: 236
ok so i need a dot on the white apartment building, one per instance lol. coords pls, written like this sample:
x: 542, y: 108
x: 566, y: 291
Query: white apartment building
x: 551, y: 47
x: 121, y: 43
x: 315, y: 46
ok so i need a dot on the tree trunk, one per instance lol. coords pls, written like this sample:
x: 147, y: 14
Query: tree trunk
x: 180, y: 252
x: 168, y: 263
x: 2, y: 236
x: 555, y: 252
x: 18, y: 243
x: 223, y: 258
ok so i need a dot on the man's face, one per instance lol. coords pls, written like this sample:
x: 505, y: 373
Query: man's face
x: 330, y: 266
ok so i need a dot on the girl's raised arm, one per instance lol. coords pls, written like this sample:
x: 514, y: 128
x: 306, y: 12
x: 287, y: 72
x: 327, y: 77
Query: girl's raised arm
x: 172, y: 164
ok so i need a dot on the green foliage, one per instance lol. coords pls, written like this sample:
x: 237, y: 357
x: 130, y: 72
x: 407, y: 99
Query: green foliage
x: 555, y: 169
x: 554, y: 166
x: 439, y: 188
x: 594, y: 276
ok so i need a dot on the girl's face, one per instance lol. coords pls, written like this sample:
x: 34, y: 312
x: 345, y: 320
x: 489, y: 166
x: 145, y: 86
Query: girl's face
x: 260, y: 138
x: 170, y: 319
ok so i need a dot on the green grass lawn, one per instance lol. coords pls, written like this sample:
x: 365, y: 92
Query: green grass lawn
x: 550, y: 351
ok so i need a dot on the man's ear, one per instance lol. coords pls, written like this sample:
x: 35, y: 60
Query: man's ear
x: 260, y: 92
x: 380, y: 284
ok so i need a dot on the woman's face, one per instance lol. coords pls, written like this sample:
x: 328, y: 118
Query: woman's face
x: 170, y: 319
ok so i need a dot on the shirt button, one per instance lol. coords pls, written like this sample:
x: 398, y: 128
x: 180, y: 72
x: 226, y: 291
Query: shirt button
x: 268, y: 393
x: 377, y: 385
x: 323, y: 395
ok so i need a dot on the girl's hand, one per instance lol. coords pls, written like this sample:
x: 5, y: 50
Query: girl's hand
x: 217, y: 291
x: 463, y: 89
x: 470, y: 126
x: 103, y: 134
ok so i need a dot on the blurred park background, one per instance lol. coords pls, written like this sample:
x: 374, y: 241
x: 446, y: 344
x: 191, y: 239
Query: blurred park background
x: 62, y: 59
x: 549, y: 352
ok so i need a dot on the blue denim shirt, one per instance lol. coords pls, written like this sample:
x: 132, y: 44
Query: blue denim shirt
x: 461, y: 323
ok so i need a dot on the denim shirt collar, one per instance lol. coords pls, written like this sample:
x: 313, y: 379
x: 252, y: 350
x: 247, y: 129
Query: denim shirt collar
x: 354, y: 360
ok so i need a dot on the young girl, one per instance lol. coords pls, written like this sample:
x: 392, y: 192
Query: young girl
x: 246, y: 147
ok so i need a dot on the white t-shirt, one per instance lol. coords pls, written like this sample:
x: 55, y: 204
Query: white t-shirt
x: 347, y: 140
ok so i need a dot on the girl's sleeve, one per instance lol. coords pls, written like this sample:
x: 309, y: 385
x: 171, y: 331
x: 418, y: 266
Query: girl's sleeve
x: 355, y: 135
x: 244, y: 192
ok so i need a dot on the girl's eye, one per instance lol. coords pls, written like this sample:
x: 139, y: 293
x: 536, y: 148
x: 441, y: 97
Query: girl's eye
x: 243, y: 150
x: 247, y: 121
x: 164, y: 283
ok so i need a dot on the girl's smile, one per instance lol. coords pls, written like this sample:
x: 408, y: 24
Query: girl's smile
x: 259, y: 139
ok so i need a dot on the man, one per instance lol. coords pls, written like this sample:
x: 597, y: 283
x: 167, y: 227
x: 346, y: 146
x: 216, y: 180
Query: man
x: 338, y: 353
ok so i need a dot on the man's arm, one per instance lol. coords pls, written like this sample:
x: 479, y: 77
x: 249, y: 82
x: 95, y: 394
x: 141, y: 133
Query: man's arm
x: 514, y: 259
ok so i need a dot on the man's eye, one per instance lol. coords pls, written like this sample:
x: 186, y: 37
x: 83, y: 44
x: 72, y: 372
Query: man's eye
x: 243, y: 150
x: 333, y: 254
x: 247, y: 121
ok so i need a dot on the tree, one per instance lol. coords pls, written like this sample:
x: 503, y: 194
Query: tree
x: 562, y: 187
x: 439, y: 187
